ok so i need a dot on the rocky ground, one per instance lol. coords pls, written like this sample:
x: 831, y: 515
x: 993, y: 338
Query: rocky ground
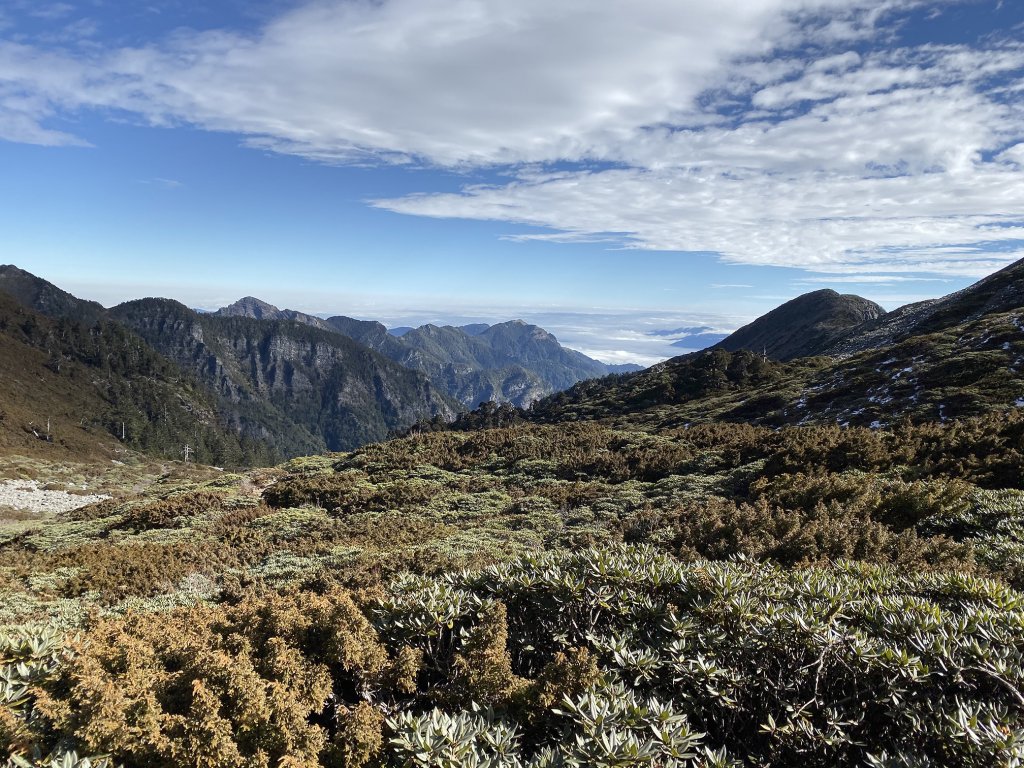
x: 28, y: 495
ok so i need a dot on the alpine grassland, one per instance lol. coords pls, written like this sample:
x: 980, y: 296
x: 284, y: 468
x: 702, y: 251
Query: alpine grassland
x: 573, y: 594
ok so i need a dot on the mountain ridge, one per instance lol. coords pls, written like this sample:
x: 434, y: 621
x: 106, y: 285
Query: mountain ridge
x: 302, y: 388
x: 513, y: 361
x: 956, y: 356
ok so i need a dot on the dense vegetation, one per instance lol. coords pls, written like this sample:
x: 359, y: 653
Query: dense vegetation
x: 604, y: 619
x: 96, y: 382
x: 964, y: 370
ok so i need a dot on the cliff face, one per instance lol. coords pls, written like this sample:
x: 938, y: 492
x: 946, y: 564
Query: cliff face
x: 509, y: 362
x: 298, y: 387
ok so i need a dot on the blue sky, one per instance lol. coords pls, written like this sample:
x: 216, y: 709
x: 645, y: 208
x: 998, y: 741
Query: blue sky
x: 605, y: 169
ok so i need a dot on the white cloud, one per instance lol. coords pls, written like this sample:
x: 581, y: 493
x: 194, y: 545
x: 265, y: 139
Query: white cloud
x: 449, y: 82
x: 724, y: 134
x: 164, y: 183
x: 898, y: 165
x: 612, y: 336
x: 866, y: 280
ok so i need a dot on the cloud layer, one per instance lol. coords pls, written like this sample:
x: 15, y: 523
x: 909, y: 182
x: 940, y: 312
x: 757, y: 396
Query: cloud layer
x: 796, y: 133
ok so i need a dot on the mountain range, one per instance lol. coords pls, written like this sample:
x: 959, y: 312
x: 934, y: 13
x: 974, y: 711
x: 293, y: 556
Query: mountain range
x: 251, y: 382
x: 513, y: 362
x: 91, y: 390
x: 274, y: 383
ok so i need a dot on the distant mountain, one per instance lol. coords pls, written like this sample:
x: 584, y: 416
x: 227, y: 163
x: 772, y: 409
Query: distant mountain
x: 400, y: 330
x: 808, y: 325
x: 299, y: 388
x: 88, y: 390
x: 699, y: 341
x: 369, y: 333
x: 256, y: 309
x: 509, y: 362
x: 689, y: 330
x: 286, y: 385
x: 692, y: 337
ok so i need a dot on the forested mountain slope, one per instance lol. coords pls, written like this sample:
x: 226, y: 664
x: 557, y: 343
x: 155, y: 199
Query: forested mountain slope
x: 296, y: 387
x: 101, y: 389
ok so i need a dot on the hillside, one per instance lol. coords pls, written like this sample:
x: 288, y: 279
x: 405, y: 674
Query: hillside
x: 964, y: 368
x: 1000, y: 292
x: 631, y: 597
x: 102, y: 391
x: 298, y: 388
x: 692, y: 565
x: 807, y: 325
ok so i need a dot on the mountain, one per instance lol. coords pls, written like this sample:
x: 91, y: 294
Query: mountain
x: 257, y: 309
x: 46, y: 298
x: 807, y: 325
x: 699, y: 341
x: 512, y: 362
x: 370, y: 333
x: 299, y: 388
x: 282, y: 386
x: 958, y: 356
x: 692, y: 337
x: 1002, y: 291
x: 87, y: 391
x: 509, y: 362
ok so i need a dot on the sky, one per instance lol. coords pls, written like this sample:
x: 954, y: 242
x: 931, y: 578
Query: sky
x: 609, y: 169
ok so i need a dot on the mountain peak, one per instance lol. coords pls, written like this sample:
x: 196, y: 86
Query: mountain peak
x: 250, y: 306
x: 804, y: 326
